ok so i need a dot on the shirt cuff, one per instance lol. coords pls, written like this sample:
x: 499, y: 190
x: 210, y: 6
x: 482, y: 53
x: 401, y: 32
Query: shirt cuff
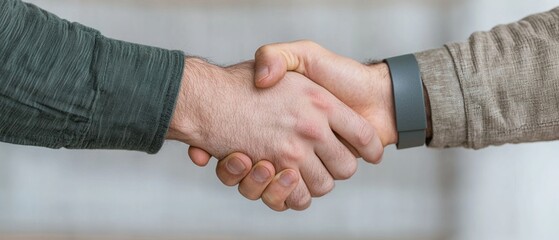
x: 136, y: 88
x: 448, y: 117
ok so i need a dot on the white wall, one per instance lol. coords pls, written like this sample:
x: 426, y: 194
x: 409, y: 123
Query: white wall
x: 505, y: 192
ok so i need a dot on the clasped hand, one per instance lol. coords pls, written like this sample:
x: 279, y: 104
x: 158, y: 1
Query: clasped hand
x: 287, y: 125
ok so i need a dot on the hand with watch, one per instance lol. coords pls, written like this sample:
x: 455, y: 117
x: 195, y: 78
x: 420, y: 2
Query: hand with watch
x: 389, y: 95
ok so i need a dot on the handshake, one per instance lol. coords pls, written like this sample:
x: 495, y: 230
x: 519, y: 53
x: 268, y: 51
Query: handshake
x: 288, y: 124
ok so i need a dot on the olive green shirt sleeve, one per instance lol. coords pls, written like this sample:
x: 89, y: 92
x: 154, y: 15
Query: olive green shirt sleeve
x: 66, y: 85
x: 499, y: 87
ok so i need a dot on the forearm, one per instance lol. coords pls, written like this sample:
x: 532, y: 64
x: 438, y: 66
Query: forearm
x: 187, y: 124
x: 501, y: 86
x: 65, y: 85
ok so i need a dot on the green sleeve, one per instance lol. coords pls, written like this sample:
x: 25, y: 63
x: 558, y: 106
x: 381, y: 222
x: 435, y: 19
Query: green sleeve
x: 64, y: 85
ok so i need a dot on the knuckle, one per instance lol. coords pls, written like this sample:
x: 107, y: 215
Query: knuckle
x: 365, y: 134
x: 373, y: 154
x: 349, y: 170
x: 345, y: 163
x: 309, y: 130
x: 293, y: 153
x: 309, y: 44
x: 262, y: 51
x: 323, y: 188
x: 319, y: 100
x: 300, y: 204
x: 378, y: 152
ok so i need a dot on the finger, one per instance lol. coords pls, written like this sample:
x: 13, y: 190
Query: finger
x: 257, y: 180
x: 348, y: 146
x: 281, y: 187
x: 356, y: 131
x: 300, y: 199
x: 316, y: 177
x: 199, y: 156
x: 337, y: 158
x: 233, y: 168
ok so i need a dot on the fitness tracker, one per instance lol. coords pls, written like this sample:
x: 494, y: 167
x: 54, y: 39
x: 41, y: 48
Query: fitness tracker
x: 409, y: 103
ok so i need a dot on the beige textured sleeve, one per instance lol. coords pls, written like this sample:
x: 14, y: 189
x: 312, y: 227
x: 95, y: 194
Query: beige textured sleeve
x: 499, y: 87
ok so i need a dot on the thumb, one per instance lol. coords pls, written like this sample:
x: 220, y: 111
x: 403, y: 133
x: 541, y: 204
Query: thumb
x: 199, y: 156
x: 340, y: 75
x: 270, y: 66
x: 273, y: 61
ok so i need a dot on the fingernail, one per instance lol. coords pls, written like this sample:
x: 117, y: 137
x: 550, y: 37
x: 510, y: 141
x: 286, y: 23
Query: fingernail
x: 235, y: 166
x: 262, y: 73
x: 286, y: 179
x: 260, y: 174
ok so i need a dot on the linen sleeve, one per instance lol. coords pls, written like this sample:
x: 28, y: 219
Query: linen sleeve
x: 501, y: 86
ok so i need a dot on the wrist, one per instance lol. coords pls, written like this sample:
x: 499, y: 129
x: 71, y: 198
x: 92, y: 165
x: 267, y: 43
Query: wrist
x: 186, y: 123
x: 381, y: 74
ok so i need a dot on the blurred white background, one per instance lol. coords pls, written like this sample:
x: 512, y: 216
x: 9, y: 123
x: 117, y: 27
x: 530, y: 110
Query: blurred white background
x: 509, y: 192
